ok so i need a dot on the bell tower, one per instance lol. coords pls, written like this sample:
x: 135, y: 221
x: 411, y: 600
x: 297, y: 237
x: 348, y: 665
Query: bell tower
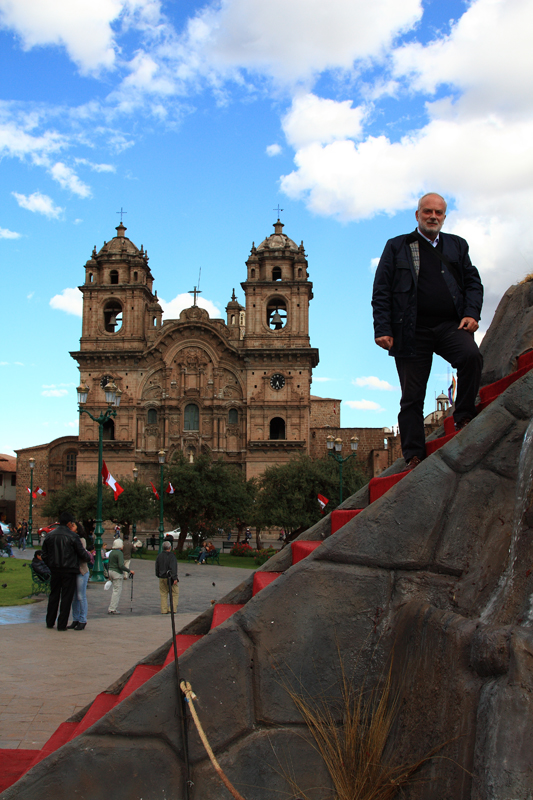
x: 278, y: 356
x: 120, y: 312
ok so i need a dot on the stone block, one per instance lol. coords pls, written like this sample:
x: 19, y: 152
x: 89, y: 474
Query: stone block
x: 299, y: 625
x: 518, y: 399
x: 510, y: 333
x: 490, y: 650
x: 503, y: 458
x: 481, y: 505
x: 99, y: 768
x: 475, y: 441
x: 401, y: 529
x: 260, y: 767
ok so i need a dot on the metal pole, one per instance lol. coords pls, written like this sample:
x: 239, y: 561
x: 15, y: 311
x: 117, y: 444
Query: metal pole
x: 161, y: 524
x: 98, y: 569
x: 341, y: 461
x: 181, y: 698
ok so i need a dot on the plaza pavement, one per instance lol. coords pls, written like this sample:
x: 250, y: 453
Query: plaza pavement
x: 48, y: 675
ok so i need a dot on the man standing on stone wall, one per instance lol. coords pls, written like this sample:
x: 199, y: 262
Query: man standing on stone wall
x: 427, y: 299
x: 62, y: 552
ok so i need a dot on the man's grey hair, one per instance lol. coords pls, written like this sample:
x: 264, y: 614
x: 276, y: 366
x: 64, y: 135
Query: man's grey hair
x: 435, y: 194
x: 167, y: 546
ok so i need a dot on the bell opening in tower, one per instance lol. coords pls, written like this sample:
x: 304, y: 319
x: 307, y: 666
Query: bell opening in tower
x: 277, y: 428
x: 112, y: 316
x: 276, y: 314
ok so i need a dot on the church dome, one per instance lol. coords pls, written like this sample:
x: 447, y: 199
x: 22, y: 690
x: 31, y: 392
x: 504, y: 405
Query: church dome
x: 120, y: 244
x: 278, y: 240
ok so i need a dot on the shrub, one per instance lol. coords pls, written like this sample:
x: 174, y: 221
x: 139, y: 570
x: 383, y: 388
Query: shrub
x: 241, y: 549
x: 262, y: 556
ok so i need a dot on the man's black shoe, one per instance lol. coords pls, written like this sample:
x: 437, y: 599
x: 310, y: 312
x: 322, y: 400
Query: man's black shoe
x: 413, y: 462
x: 73, y: 625
x: 61, y: 629
x: 81, y: 626
x: 462, y: 423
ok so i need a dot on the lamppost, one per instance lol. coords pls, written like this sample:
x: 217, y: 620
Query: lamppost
x: 161, y: 459
x: 334, y: 449
x: 112, y: 398
x: 30, y: 515
x: 134, y: 524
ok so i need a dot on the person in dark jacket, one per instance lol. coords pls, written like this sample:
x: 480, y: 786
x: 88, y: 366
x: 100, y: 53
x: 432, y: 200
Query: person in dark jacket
x: 427, y: 299
x: 166, y: 562
x: 62, y: 552
x: 39, y: 567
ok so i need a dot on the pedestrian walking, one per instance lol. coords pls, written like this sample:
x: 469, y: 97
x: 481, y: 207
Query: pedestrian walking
x: 166, y: 562
x: 116, y: 568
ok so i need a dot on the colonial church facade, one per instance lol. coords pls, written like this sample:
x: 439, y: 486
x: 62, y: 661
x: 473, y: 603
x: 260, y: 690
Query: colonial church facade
x: 237, y: 389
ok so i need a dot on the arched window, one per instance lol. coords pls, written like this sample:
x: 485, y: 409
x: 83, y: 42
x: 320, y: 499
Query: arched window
x: 151, y: 417
x: 70, y: 464
x: 233, y: 417
x: 300, y: 272
x: 276, y: 314
x: 108, y: 431
x: 90, y: 277
x: 277, y: 428
x: 113, y: 276
x: 191, y: 418
x: 276, y: 274
x: 252, y: 273
x: 135, y: 276
x: 112, y: 316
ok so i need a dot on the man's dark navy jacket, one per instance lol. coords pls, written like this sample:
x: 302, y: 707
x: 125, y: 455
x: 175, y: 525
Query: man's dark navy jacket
x: 395, y: 286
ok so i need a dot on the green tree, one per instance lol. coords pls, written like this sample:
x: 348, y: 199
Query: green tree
x: 80, y: 498
x: 288, y: 493
x: 208, y: 495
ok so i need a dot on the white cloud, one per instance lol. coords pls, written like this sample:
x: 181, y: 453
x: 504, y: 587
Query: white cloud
x: 5, y: 233
x: 54, y: 392
x: 96, y: 167
x: 83, y: 27
x: 375, y: 383
x: 30, y: 295
x: 67, y: 179
x: 291, y: 40
x: 173, y: 308
x: 316, y: 119
x: 38, y: 203
x: 364, y: 405
x: 70, y: 300
x: 374, y: 264
x: 273, y: 150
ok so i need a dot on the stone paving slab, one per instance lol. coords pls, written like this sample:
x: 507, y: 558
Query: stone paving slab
x: 46, y: 675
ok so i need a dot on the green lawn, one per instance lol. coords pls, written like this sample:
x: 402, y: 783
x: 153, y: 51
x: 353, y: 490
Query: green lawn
x: 16, y: 574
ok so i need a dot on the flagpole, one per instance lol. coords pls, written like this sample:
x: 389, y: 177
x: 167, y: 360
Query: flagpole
x: 112, y: 396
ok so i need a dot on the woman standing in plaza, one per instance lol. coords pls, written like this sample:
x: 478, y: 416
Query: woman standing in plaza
x: 79, y: 602
x: 117, y: 568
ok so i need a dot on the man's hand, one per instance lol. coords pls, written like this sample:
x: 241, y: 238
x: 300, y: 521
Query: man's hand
x: 386, y: 342
x: 468, y: 324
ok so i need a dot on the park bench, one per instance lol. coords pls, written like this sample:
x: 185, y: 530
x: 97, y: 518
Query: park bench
x: 227, y: 546
x: 39, y: 585
x: 213, y: 556
x: 193, y: 554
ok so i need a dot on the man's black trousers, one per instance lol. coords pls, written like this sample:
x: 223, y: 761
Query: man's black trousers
x: 62, y: 588
x: 460, y: 350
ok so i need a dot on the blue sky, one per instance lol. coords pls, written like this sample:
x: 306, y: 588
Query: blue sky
x: 199, y: 119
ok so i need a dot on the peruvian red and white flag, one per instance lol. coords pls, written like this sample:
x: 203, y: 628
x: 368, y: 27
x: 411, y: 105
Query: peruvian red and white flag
x: 322, y: 501
x: 38, y: 490
x: 33, y: 494
x: 169, y: 489
x: 109, y: 479
x: 154, y: 490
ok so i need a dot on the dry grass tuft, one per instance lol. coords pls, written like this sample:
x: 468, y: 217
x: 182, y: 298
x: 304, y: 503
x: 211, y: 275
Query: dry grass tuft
x: 354, y: 752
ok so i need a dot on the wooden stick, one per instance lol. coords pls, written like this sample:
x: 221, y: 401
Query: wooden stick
x: 190, y: 696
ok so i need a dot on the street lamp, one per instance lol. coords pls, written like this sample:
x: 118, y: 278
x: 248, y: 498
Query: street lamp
x: 134, y: 524
x: 30, y: 516
x: 161, y: 459
x: 112, y: 398
x: 334, y: 449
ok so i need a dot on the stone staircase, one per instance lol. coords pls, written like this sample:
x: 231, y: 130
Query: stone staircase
x: 14, y: 764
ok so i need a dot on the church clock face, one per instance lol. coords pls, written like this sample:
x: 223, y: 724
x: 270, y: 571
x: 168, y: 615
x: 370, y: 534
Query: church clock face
x: 105, y: 380
x: 277, y: 381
